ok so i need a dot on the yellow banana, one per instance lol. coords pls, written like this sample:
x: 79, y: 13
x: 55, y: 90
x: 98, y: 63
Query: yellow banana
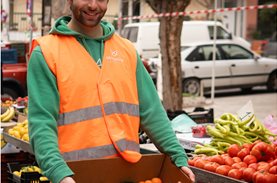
x: 10, y: 115
x: 5, y: 114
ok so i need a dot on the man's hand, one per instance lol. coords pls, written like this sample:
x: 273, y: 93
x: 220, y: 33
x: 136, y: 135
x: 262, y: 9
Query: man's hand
x: 68, y: 180
x: 189, y: 173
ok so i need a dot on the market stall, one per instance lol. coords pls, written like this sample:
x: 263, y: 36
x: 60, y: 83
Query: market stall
x: 234, y: 148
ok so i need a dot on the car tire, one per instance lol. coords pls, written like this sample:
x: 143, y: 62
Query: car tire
x: 191, y: 86
x: 8, y: 92
x: 272, y: 82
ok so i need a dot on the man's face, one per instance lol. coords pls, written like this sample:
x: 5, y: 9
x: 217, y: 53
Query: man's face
x: 88, y: 12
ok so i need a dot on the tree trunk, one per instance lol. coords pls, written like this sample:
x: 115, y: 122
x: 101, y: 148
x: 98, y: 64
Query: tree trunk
x: 170, y: 44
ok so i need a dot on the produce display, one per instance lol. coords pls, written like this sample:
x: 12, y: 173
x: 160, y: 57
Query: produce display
x: 8, y: 108
x: 255, y: 162
x: 27, y: 169
x: 29, y: 173
x: 8, y: 114
x: 239, y: 149
x: 229, y: 129
x: 20, y: 131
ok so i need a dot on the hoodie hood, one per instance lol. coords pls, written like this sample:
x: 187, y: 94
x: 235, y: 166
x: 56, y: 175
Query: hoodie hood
x: 60, y: 27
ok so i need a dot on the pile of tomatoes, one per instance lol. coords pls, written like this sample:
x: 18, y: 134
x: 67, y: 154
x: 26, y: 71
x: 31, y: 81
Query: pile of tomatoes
x: 255, y: 162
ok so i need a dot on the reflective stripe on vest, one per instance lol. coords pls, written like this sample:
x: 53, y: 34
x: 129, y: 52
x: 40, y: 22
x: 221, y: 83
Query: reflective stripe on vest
x: 95, y: 112
x: 99, y: 108
x: 101, y: 151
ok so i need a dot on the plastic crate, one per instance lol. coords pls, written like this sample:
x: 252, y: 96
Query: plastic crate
x: 198, y: 115
x: 22, y: 49
x: 201, y: 115
x: 9, y: 56
x: 26, y: 177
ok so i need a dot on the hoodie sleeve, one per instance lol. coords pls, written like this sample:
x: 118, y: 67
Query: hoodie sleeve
x: 154, y: 120
x: 43, y: 112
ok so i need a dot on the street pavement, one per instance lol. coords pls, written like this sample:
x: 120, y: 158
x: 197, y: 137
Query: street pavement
x: 264, y: 104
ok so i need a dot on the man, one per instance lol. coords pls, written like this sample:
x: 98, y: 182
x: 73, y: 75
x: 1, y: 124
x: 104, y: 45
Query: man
x: 88, y: 95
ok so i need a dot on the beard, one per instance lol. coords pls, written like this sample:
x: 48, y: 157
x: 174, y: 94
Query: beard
x: 86, y: 17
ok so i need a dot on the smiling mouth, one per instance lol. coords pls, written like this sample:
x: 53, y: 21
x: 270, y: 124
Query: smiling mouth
x: 90, y: 14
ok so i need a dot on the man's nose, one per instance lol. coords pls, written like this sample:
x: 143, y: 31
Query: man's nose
x: 92, y: 3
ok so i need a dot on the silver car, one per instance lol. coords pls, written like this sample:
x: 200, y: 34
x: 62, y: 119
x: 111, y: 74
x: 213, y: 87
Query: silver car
x: 235, y: 67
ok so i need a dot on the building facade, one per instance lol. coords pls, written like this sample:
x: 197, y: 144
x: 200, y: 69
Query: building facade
x: 241, y: 23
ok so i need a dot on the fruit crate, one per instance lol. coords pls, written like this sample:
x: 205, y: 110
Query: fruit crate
x: 26, y: 177
x: 203, y: 176
x: 23, y: 145
x: 199, y: 115
x: 18, y: 157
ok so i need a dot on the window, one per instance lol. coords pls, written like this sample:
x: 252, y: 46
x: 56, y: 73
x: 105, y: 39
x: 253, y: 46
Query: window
x: 203, y: 53
x: 235, y: 52
x: 130, y: 33
x: 220, y: 33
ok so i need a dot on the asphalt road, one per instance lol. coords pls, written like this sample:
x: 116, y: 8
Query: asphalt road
x: 264, y: 102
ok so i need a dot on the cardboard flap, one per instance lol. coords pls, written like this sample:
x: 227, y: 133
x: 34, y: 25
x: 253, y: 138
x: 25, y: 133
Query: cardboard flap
x: 171, y: 174
x: 117, y: 170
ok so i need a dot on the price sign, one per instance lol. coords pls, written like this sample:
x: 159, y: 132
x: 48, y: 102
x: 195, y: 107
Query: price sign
x: 246, y: 112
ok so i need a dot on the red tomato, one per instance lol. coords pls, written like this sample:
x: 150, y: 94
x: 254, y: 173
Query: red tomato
x: 218, y: 159
x: 211, y: 166
x: 248, y: 146
x: 274, y: 162
x: 273, y: 170
x: 228, y: 160
x: 249, y: 159
x: 239, y: 165
x: 253, y: 165
x: 199, y: 163
x: 233, y: 150
x: 243, y: 152
x: 236, y: 159
x: 191, y: 162
x: 263, y: 166
x: 264, y: 177
x: 235, y: 173
x: 247, y: 174
x: 262, y: 151
x: 223, y: 169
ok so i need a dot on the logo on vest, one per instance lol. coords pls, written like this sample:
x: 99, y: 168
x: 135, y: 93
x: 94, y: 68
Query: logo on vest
x: 114, y: 56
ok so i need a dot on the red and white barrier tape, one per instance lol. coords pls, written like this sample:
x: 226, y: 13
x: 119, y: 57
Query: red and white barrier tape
x: 199, y: 12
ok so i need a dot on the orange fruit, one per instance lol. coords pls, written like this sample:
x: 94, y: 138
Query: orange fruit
x: 141, y: 182
x: 156, y: 180
x: 148, y: 181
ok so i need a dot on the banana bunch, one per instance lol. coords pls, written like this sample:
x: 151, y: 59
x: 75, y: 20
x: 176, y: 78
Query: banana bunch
x: 229, y: 129
x: 8, y: 114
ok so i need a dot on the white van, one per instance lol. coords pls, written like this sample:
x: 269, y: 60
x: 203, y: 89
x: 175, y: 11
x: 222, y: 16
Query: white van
x: 145, y: 35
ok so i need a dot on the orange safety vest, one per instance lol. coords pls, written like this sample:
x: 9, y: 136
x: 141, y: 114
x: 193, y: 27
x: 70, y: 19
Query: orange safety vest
x: 99, y: 108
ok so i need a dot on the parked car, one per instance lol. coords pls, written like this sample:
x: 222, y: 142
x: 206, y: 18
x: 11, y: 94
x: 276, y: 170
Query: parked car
x: 270, y: 48
x: 235, y: 67
x: 145, y: 35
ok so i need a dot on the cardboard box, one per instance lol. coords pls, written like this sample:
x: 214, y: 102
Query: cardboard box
x: 117, y: 170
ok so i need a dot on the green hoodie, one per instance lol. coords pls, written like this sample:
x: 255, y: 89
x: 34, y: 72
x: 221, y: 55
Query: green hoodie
x: 44, y: 106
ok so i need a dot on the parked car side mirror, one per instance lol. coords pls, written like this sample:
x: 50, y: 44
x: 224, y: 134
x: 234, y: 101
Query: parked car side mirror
x: 256, y: 57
